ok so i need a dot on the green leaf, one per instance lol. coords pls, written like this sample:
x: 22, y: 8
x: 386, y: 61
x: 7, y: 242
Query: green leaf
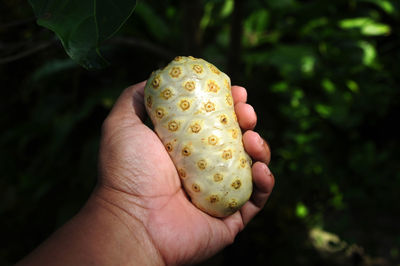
x: 387, y: 6
x: 227, y: 8
x: 369, y: 52
x: 154, y: 22
x: 291, y: 60
x: 375, y: 29
x: 354, y: 22
x: 301, y: 210
x: 206, y: 19
x: 328, y: 85
x: 324, y: 110
x: 255, y: 27
x: 83, y: 25
x: 312, y: 25
x: 337, y: 199
x: 366, y: 25
x: 353, y: 86
x: 280, y: 87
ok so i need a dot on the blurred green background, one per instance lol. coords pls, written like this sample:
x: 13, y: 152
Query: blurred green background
x: 323, y: 77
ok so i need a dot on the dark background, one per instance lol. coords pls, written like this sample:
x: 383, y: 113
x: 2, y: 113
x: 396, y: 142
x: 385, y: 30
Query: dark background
x: 323, y: 77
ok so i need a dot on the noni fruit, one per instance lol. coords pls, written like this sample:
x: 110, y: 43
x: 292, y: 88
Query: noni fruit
x: 190, y: 104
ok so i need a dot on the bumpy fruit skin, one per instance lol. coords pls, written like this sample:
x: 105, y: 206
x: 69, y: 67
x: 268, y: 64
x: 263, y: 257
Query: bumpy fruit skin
x: 190, y: 104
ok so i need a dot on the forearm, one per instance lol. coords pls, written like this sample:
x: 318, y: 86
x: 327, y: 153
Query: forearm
x: 97, y: 235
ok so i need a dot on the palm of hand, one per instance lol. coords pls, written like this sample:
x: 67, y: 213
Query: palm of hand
x: 180, y: 230
x: 134, y: 162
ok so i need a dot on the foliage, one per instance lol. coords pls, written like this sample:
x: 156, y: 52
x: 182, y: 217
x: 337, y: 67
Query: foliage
x: 323, y: 77
x: 83, y: 25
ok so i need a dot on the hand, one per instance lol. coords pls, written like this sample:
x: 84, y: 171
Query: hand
x: 139, y: 183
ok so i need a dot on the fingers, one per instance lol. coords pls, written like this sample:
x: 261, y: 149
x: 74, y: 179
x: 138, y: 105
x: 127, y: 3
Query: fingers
x: 246, y: 116
x: 239, y: 94
x: 259, y: 150
x: 264, y: 182
x: 256, y: 147
x: 130, y: 104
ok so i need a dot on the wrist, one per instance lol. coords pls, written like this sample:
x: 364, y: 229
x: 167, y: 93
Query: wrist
x: 121, y: 222
x: 100, y: 234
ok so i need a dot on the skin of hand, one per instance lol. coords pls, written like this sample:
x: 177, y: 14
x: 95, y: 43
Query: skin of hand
x: 135, y: 166
x: 138, y: 213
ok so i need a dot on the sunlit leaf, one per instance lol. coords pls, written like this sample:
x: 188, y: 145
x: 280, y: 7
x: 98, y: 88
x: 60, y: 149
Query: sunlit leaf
x: 369, y: 52
x: 206, y: 19
x: 227, y: 8
x: 375, y: 29
x: 328, y: 85
x: 301, y: 210
x: 366, y: 25
x: 352, y: 85
x: 307, y: 64
x: 255, y: 27
x: 386, y: 5
x: 354, y: 22
x: 280, y: 87
x: 323, y: 110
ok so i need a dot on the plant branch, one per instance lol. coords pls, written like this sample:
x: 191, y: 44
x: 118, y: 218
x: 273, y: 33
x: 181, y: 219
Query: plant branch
x: 145, y: 45
x: 26, y: 53
x: 235, y: 51
x: 193, y: 11
x: 16, y: 23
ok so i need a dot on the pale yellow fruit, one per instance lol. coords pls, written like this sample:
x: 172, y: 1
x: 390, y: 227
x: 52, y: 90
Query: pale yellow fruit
x: 190, y: 104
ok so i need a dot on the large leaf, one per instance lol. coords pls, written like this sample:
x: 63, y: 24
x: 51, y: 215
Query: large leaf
x: 83, y: 25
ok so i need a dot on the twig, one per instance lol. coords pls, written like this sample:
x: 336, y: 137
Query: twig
x: 16, y: 23
x: 145, y: 45
x: 26, y: 53
x: 235, y: 50
x: 193, y: 12
x: 12, y: 46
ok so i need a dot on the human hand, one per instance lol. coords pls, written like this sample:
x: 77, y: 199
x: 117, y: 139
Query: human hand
x: 139, y: 183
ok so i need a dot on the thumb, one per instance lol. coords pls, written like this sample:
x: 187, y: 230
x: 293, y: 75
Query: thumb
x: 130, y: 104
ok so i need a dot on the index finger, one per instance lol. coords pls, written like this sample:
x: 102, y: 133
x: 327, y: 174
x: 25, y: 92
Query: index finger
x: 130, y: 104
